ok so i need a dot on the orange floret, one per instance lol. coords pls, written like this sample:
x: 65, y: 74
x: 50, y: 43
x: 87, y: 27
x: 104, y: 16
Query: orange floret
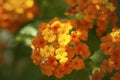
x: 85, y: 51
x: 36, y: 57
x: 77, y: 64
x: 59, y: 72
x: 71, y: 52
x: 48, y: 66
x: 97, y: 75
x: 47, y: 70
x: 82, y: 50
x: 38, y: 42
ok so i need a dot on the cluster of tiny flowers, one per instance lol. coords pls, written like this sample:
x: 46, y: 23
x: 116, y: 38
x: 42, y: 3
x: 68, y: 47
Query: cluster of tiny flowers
x: 99, y: 11
x: 111, y: 47
x: 16, y: 12
x: 58, y: 49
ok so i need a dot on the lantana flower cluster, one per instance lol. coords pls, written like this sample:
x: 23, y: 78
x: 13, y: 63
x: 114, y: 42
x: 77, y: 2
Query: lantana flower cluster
x: 16, y: 12
x: 98, y: 12
x: 57, y: 48
x: 111, y: 47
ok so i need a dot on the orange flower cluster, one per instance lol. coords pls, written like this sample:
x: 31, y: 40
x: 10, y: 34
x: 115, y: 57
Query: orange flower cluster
x: 111, y: 47
x: 58, y: 49
x: 13, y: 13
x: 100, y: 11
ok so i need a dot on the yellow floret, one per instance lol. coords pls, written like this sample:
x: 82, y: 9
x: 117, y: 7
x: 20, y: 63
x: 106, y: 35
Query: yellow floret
x: 64, y: 28
x: 61, y: 55
x: 104, y: 1
x: 47, y: 51
x: 63, y: 39
x: 55, y: 23
x: 110, y: 6
x: 115, y: 36
x: 48, y: 35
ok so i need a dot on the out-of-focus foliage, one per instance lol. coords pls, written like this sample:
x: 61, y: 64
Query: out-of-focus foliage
x: 15, y: 50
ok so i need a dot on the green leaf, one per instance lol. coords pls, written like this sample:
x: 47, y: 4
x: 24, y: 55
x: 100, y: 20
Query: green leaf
x: 93, y: 40
x: 79, y: 16
x: 76, y: 16
x: 98, y: 57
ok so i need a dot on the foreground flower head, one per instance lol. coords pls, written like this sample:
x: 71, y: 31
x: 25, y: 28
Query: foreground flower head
x: 58, y: 49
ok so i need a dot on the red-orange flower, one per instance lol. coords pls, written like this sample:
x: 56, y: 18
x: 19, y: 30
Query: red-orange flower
x: 97, y: 75
x: 38, y: 42
x: 77, y: 63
